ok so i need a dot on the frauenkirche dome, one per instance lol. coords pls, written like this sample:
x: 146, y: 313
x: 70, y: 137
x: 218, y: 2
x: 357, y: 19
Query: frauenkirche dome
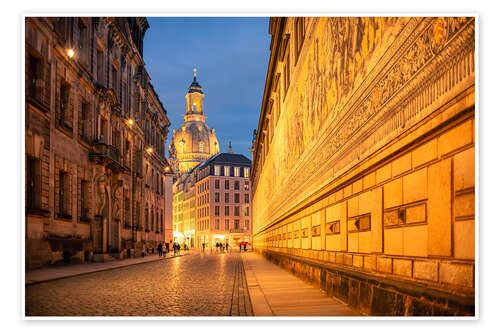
x: 194, y: 141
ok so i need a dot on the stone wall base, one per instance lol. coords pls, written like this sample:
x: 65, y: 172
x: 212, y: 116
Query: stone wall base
x: 372, y: 294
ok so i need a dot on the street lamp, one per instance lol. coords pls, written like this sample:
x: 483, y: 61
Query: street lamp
x: 130, y: 121
x: 70, y: 52
x: 150, y: 150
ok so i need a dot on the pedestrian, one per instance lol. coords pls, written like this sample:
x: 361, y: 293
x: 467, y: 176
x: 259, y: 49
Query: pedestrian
x: 217, y: 246
x: 160, y: 250
x: 143, y: 250
x: 240, y: 247
x: 168, y: 247
x: 203, y: 247
x: 227, y: 247
x: 164, y: 249
x: 245, y: 247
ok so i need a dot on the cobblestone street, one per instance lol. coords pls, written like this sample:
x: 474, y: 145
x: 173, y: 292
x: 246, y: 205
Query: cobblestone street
x: 193, y: 285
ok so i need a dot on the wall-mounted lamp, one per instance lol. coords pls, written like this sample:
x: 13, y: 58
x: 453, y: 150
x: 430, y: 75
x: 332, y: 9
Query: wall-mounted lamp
x: 130, y: 121
x: 70, y: 52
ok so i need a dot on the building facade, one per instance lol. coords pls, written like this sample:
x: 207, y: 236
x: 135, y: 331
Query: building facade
x: 364, y: 160
x: 97, y: 180
x: 223, y: 201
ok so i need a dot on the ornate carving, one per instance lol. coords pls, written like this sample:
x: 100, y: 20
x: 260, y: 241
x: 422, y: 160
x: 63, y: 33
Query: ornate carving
x: 320, y: 95
x: 100, y: 181
x: 116, y: 193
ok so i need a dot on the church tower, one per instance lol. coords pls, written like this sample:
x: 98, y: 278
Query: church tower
x: 194, y: 141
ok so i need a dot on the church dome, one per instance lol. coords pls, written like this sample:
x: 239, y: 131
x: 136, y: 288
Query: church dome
x: 195, y: 137
x: 194, y: 141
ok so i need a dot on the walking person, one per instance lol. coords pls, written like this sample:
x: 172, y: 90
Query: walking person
x: 160, y: 250
x: 168, y: 247
x: 240, y: 247
x: 164, y: 249
x: 143, y: 250
x: 203, y: 247
x: 227, y: 247
x: 245, y: 247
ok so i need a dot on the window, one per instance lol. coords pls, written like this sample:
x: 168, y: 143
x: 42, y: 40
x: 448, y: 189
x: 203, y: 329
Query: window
x: 217, y: 170
x: 217, y: 197
x: 299, y: 32
x: 152, y: 219
x: 138, y: 214
x: 236, y: 171
x: 161, y: 221
x: 226, y: 197
x: 217, y: 184
x: 227, y: 172
x: 157, y: 223
x: 84, y: 210
x: 146, y: 218
x: 35, y: 75
x: 247, y: 224
x: 226, y: 210
x: 246, y: 186
x: 247, y: 198
x: 226, y: 184
x: 217, y: 224
x: 202, y: 145
x: 236, y: 224
x: 247, y: 172
x: 83, y: 44
x: 100, y: 67
x: 237, y: 185
x: 64, y: 195
x: 114, y: 79
x: 217, y: 211
x: 85, y: 123
x: 237, y: 198
x: 236, y: 210
x: 287, y: 72
x: 64, y: 109
x: 33, y: 183
x: 247, y: 211
x: 226, y: 224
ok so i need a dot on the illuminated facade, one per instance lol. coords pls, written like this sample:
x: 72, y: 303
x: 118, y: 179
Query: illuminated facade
x: 364, y: 160
x: 98, y: 184
x: 223, y: 201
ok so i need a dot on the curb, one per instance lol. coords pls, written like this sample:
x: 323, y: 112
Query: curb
x: 33, y: 282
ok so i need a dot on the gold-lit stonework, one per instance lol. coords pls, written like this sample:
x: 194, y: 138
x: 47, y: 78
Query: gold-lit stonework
x: 365, y: 152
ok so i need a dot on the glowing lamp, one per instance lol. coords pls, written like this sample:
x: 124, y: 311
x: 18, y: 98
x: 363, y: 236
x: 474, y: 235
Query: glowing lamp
x: 130, y: 122
x: 70, y: 53
x: 150, y: 150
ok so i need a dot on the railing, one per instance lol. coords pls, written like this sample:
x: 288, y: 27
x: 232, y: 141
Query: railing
x: 103, y: 153
x: 237, y: 231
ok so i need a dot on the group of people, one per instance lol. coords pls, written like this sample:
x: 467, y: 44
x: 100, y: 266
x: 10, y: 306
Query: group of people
x: 163, y: 249
x: 220, y: 247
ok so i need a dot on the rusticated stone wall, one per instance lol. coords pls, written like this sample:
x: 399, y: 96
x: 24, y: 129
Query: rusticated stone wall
x: 365, y: 153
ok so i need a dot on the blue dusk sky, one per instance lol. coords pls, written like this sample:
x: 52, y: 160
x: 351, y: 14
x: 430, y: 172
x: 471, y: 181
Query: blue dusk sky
x: 231, y: 56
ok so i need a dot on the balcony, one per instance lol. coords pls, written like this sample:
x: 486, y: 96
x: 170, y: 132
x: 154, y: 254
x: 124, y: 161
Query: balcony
x: 109, y: 155
x: 237, y: 231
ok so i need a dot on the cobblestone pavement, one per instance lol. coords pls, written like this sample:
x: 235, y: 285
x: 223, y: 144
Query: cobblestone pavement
x: 196, y: 285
